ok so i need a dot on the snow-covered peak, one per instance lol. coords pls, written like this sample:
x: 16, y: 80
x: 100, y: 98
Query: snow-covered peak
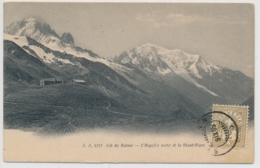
x: 50, y: 57
x: 151, y: 58
x: 154, y: 52
x: 33, y: 28
x: 177, y: 60
x: 31, y: 22
x: 147, y: 48
x: 152, y: 49
x: 44, y: 34
x: 144, y: 57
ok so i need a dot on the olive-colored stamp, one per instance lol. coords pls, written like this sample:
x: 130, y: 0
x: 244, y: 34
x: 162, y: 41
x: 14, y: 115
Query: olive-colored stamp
x: 240, y: 115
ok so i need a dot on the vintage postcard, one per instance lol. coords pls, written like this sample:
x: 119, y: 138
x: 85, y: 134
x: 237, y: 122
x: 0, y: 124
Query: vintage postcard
x: 128, y: 82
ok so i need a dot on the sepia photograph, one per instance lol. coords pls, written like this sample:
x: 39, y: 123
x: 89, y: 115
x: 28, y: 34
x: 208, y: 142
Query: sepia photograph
x: 128, y: 82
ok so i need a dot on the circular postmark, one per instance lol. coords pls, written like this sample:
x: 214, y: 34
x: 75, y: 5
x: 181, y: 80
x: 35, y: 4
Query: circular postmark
x: 220, y: 132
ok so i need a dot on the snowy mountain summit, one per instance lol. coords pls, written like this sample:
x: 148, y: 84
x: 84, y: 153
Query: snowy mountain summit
x: 33, y: 28
x: 44, y: 34
x: 152, y: 58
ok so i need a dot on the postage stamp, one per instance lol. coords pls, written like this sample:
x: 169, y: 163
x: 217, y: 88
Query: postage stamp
x: 240, y: 115
x: 225, y: 128
x: 219, y: 132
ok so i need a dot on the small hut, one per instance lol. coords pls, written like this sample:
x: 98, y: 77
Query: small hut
x: 78, y: 81
x: 50, y: 81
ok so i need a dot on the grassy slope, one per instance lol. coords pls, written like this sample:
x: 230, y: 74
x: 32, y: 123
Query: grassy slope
x: 60, y: 109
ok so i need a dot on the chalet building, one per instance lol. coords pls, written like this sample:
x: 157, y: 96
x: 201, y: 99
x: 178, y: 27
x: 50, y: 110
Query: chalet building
x: 78, y: 81
x: 50, y: 81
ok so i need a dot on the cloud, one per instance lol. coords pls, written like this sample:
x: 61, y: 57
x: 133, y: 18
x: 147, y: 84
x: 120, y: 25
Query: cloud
x: 234, y: 22
x: 185, y: 19
x: 149, y: 18
x: 166, y: 20
x: 175, y: 19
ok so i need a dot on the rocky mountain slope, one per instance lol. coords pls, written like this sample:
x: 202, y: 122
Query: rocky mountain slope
x: 175, y: 65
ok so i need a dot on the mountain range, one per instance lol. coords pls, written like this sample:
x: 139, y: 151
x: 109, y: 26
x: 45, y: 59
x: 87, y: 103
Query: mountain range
x: 146, y: 84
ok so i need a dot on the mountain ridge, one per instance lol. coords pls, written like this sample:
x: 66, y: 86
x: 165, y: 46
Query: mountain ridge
x: 44, y: 34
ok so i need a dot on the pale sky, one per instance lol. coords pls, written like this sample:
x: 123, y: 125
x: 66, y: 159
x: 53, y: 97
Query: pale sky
x: 221, y: 33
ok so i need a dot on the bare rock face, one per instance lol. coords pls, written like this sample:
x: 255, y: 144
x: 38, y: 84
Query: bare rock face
x: 67, y: 38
